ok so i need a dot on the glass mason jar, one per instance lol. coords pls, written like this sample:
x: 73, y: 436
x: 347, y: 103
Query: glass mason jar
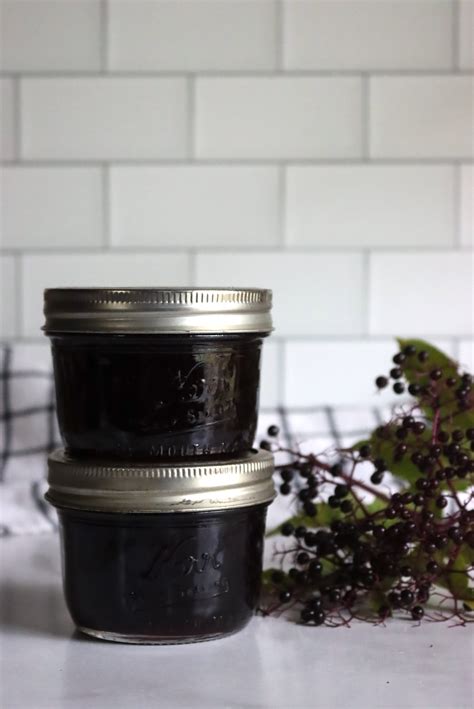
x: 157, y: 373
x: 161, y: 553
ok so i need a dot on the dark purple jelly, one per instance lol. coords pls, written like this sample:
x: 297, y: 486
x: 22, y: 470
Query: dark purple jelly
x: 157, y: 395
x: 164, y: 578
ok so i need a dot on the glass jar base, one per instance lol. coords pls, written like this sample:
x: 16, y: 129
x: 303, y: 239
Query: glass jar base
x: 153, y: 640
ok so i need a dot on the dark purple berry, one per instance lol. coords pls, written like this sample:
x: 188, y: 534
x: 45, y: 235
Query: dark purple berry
x: 381, y: 382
x: 376, y: 478
x: 417, y: 613
x: 302, y: 558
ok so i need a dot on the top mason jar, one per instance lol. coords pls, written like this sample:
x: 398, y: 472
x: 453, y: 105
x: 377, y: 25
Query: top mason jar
x: 150, y: 373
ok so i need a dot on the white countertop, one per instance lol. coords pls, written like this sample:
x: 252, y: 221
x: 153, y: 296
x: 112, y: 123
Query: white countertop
x: 272, y: 664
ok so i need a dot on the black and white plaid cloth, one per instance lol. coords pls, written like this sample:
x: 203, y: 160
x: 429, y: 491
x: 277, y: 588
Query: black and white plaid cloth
x: 28, y: 432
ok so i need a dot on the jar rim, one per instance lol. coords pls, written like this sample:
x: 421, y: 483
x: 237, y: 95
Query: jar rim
x: 157, y: 310
x: 189, y: 486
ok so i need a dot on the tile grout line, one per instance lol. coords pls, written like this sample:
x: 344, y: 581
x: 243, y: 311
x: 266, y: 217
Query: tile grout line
x: 365, y: 127
x: 104, y: 36
x: 250, y: 162
x: 106, y: 208
x: 279, y: 36
x: 273, y: 250
x: 191, y: 118
x: 457, y: 197
x: 17, y: 118
x: 19, y: 293
x: 366, y: 274
x: 455, y: 36
x: 282, y: 205
x: 234, y: 74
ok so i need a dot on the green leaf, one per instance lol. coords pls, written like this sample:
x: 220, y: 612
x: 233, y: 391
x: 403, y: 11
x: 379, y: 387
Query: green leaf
x: 384, y: 448
x: 436, y: 358
x: 457, y: 578
x: 415, y: 372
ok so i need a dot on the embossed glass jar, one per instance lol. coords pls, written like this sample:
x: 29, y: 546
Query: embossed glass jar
x: 157, y: 373
x: 161, y: 553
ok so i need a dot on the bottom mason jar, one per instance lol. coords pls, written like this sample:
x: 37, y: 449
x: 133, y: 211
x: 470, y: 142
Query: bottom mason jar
x: 161, y: 554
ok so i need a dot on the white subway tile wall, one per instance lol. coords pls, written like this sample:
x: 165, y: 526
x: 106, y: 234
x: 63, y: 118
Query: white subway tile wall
x: 467, y: 206
x: 8, y: 281
x: 320, y: 147
x: 223, y: 206
x: 103, y: 118
x: 428, y: 289
x: 278, y: 117
x: 367, y: 35
x: 421, y: 117
x: 50, y: 35
x: 7, y: 120
x: 192, y: 36
x: 466, y: 34
x: 371, y: 205
x: 74, y: 218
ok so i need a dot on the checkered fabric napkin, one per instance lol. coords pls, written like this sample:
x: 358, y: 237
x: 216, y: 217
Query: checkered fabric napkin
x: 28, y: 432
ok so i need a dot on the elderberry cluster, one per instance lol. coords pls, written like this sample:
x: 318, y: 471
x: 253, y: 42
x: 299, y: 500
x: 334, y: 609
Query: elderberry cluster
x: 403, y: 547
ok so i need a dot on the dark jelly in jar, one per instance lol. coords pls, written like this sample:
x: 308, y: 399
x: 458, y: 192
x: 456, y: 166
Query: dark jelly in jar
x: 179, y: 577
x: 156, y: 383
x: 189, y: 571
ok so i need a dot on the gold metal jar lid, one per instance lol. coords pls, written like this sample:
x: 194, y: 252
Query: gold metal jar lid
x: 157, y: 310
x: 162, y: 487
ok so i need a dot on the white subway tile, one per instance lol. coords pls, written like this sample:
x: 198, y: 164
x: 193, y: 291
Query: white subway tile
x: 424, y: 292
x: 466, y: 34
x: 312, y: 368
x: 194, y: 205
x: 49, y: 36
x: 51, y: 207
x: 335, y: 372
x: 300, y: 117
x: 42, y: 271
x: 352, y: 206
x: 466, y: 354
x: 467, y: 206
x: 8, y: 297
x: 314, y: 293
x: 103, y: 118
x: 270, y: 375
x: 348, y: 35
x: 7, y: 121
x: 192, y: 36
x: 421, y: 117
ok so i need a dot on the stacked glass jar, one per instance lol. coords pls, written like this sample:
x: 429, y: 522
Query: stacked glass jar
x: 160, y: 497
